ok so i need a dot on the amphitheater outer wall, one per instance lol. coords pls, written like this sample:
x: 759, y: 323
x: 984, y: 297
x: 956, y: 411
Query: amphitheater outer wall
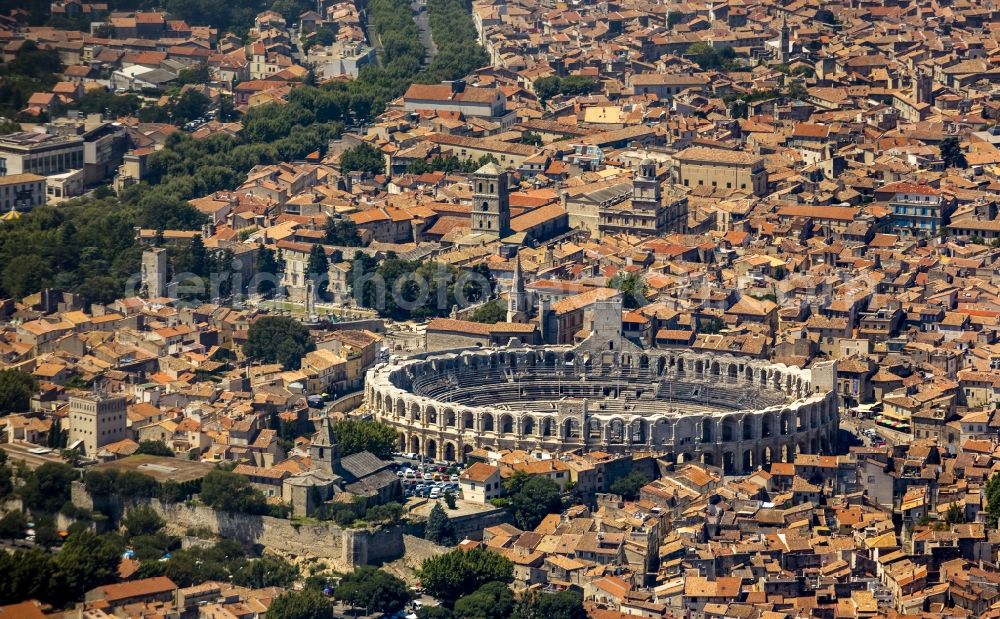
x: 737, y: 440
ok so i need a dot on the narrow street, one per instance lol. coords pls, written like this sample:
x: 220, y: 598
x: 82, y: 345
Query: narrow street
x: 421, y: 17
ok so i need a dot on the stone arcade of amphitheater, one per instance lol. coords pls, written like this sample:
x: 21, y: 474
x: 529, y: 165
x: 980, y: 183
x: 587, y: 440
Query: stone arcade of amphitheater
x: 726, y: 411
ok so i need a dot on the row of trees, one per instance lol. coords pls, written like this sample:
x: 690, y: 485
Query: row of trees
x: 85, y: 561
x: 87, y: 245
x: 458, y: 51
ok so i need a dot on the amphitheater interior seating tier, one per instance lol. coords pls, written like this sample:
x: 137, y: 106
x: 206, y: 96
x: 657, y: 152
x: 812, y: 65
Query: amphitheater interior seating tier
x: 629, y: 390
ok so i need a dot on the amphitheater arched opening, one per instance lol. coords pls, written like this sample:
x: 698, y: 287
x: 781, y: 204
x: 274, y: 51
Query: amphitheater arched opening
x: 528, y: 425
x: 730, y: 429
x: 547, y: 427
x: 487, y: 422
x: 449, y: 451
x: 728, y: 463
x: 468, y: 421
x: 707, y: 430
x: 506, y: 424
x: 571, y: 429
x: 616, y: 431
x: 430, y: 448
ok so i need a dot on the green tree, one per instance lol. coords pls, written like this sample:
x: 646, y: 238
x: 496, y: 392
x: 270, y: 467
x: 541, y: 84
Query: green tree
x: 826, y: 16
x: 24, y: 274
x: 449, y: 500
x: 674, y: 18
x: 493, y: 600
x: 632, y: 287
x: 440, y: 529
x: 197, y: 74
x: 155, y: 448
x: 354, y: 436
x: 362, y: 158
x: 711, y: 325
x: 189, y: 106
x: 628, y: 487
x: 48, y: 487
x: 433, y: 612
x: 538, y: 605
x: 266, y: 571
x: 546, y: 87
x: 16, y: 389
x: 231, y: 492
x: 13, y: 525
x: 278, y: 339
x: 491, y: 312
x: 28, y: 575
x: 318, y: 269
x: 993, y: 499
x: 708, y: 58
x: 6, y: 477
x: 141, y: 520
x: 450, y: 575
x: 954, y: 515
x: 373, y: 589
x: 342, y: 231
x: 86, y: 561
x: 951, y: 153
x: 531, y: 138
x: 530, y: 499
x: 305, y: 604
x: 9, y: 126
x: 269, y: 269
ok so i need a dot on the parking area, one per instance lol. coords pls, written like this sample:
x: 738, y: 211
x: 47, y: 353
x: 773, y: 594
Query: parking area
x: 426, y: 479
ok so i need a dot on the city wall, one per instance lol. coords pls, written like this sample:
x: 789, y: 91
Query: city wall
x: 344, y: 548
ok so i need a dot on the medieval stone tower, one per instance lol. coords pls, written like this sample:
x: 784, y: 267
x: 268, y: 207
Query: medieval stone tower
x: 154, y: 272
x: 490, y: 202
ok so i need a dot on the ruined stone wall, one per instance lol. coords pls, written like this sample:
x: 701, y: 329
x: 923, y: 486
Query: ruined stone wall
x: 343, y: 548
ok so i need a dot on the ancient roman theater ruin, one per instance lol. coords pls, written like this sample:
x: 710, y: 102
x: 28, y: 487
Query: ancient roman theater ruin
x: 731, y: 412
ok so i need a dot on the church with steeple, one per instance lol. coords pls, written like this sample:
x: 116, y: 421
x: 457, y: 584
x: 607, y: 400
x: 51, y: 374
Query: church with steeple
x: 518, y: 306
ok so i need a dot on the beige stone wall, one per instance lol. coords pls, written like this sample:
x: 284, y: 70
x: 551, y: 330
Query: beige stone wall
x: 342, y: 548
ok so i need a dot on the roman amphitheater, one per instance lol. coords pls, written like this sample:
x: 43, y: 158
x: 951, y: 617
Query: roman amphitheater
x: 726, y: 411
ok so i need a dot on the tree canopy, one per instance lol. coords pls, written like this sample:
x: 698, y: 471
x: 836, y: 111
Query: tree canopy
x: 278, y: 339
x: 362, y: 158
x: 155, y: 448
x: 16, y: 389
x: 440, y: 529
x: 231, y: 492
x: 47, y: 489
x: 305, y: 604
x: 494, y: 600
x: 628, y: 487
x: 354, y: 436
x: 373, y: 589
x: 450, y: 575
x: 530, y: 499
x: 951, y: 153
